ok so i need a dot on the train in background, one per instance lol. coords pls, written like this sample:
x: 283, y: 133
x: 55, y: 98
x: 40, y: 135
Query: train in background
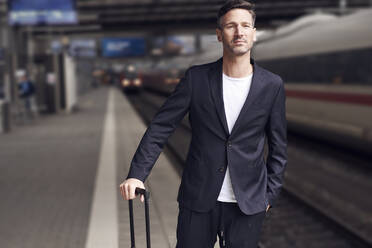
x: 320, y: 48
x: 325, y: 62
x: 130, y: 79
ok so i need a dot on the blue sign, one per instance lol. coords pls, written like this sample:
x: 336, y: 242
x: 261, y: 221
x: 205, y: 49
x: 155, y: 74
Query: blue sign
x: 123, y: 47
x: 36, y: 12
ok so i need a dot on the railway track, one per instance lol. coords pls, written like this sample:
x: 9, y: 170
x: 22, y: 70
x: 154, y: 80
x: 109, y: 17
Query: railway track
x: 296, y: 221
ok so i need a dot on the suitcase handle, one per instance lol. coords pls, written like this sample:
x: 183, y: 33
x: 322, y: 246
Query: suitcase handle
x: 146, y: 194
x: 140, y: 191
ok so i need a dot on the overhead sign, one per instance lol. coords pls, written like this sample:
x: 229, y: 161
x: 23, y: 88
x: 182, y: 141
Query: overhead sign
x: 123, y: 47
x: 83, y: 48
x: 42, y: 12
x: 173, y: 45
x: 180, y: 45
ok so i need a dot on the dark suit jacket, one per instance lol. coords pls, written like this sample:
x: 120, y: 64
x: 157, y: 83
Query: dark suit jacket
x: 256, y: 182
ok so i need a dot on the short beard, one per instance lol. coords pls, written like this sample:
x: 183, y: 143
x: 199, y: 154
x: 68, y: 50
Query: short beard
x: 238, y: 51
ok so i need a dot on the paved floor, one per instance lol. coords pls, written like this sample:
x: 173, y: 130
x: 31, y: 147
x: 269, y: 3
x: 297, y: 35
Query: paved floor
x: 56, y: 188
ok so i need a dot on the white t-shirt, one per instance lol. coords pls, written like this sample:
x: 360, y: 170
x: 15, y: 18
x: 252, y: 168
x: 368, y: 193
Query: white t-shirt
x: 235, y: 92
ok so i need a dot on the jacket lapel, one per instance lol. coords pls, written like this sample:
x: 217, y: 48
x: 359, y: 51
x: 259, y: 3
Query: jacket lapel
x: 256, y: 85
x: 215, y: 85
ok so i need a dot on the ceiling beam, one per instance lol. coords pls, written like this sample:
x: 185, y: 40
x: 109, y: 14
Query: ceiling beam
x: 149, y: 16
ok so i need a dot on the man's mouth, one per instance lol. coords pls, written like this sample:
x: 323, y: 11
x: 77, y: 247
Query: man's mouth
x: 238, y: 41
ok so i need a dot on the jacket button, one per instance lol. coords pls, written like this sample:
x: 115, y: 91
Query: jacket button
x: 229, y: 144
x: 222, y: 169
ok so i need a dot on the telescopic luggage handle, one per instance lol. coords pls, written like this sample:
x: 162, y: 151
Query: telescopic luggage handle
x: 146, y: 195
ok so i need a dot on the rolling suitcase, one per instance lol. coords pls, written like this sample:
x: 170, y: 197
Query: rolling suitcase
x: 146, y: 195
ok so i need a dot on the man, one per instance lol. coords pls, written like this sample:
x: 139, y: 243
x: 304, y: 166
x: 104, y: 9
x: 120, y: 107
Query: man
x: 234, y: 105
x: 26, y: 93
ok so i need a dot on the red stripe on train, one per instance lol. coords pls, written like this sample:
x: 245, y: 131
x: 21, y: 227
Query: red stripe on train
x: 353, y: 98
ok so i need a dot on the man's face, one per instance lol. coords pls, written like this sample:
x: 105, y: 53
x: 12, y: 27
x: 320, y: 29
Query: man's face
x: 236, y: 32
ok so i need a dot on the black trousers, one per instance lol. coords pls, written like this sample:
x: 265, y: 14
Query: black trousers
x: 233, y: 228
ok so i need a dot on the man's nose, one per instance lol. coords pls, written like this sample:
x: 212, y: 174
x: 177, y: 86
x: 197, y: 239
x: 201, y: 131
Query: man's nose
x: 239, y: 31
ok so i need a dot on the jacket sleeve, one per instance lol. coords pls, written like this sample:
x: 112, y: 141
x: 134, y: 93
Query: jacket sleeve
x: 161, y: 127
x: 276, y: 131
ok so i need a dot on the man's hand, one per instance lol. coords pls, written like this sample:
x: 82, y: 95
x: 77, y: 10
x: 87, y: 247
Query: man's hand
x: 128, y: 187
x: 268, y: 206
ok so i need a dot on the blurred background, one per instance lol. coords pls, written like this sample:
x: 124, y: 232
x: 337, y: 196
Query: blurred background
x: 60, y: 61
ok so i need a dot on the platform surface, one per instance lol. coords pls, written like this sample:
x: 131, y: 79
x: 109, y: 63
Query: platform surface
x: 60, y: 177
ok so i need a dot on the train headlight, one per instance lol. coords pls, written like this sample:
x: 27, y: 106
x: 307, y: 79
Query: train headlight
x: 137, y: 82
x: 125, y: 82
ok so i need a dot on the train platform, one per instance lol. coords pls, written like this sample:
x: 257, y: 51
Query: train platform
x: 60, y: 177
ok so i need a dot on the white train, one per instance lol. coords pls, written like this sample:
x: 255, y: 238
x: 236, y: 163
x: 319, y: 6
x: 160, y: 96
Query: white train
x: 326, y: 62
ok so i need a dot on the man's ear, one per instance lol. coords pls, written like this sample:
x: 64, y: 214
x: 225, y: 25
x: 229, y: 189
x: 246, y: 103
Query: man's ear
x: 254, y: 36
x: 218, y: 33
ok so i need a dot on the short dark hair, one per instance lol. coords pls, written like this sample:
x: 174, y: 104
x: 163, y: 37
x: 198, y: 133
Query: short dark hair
x: 235, y: 4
